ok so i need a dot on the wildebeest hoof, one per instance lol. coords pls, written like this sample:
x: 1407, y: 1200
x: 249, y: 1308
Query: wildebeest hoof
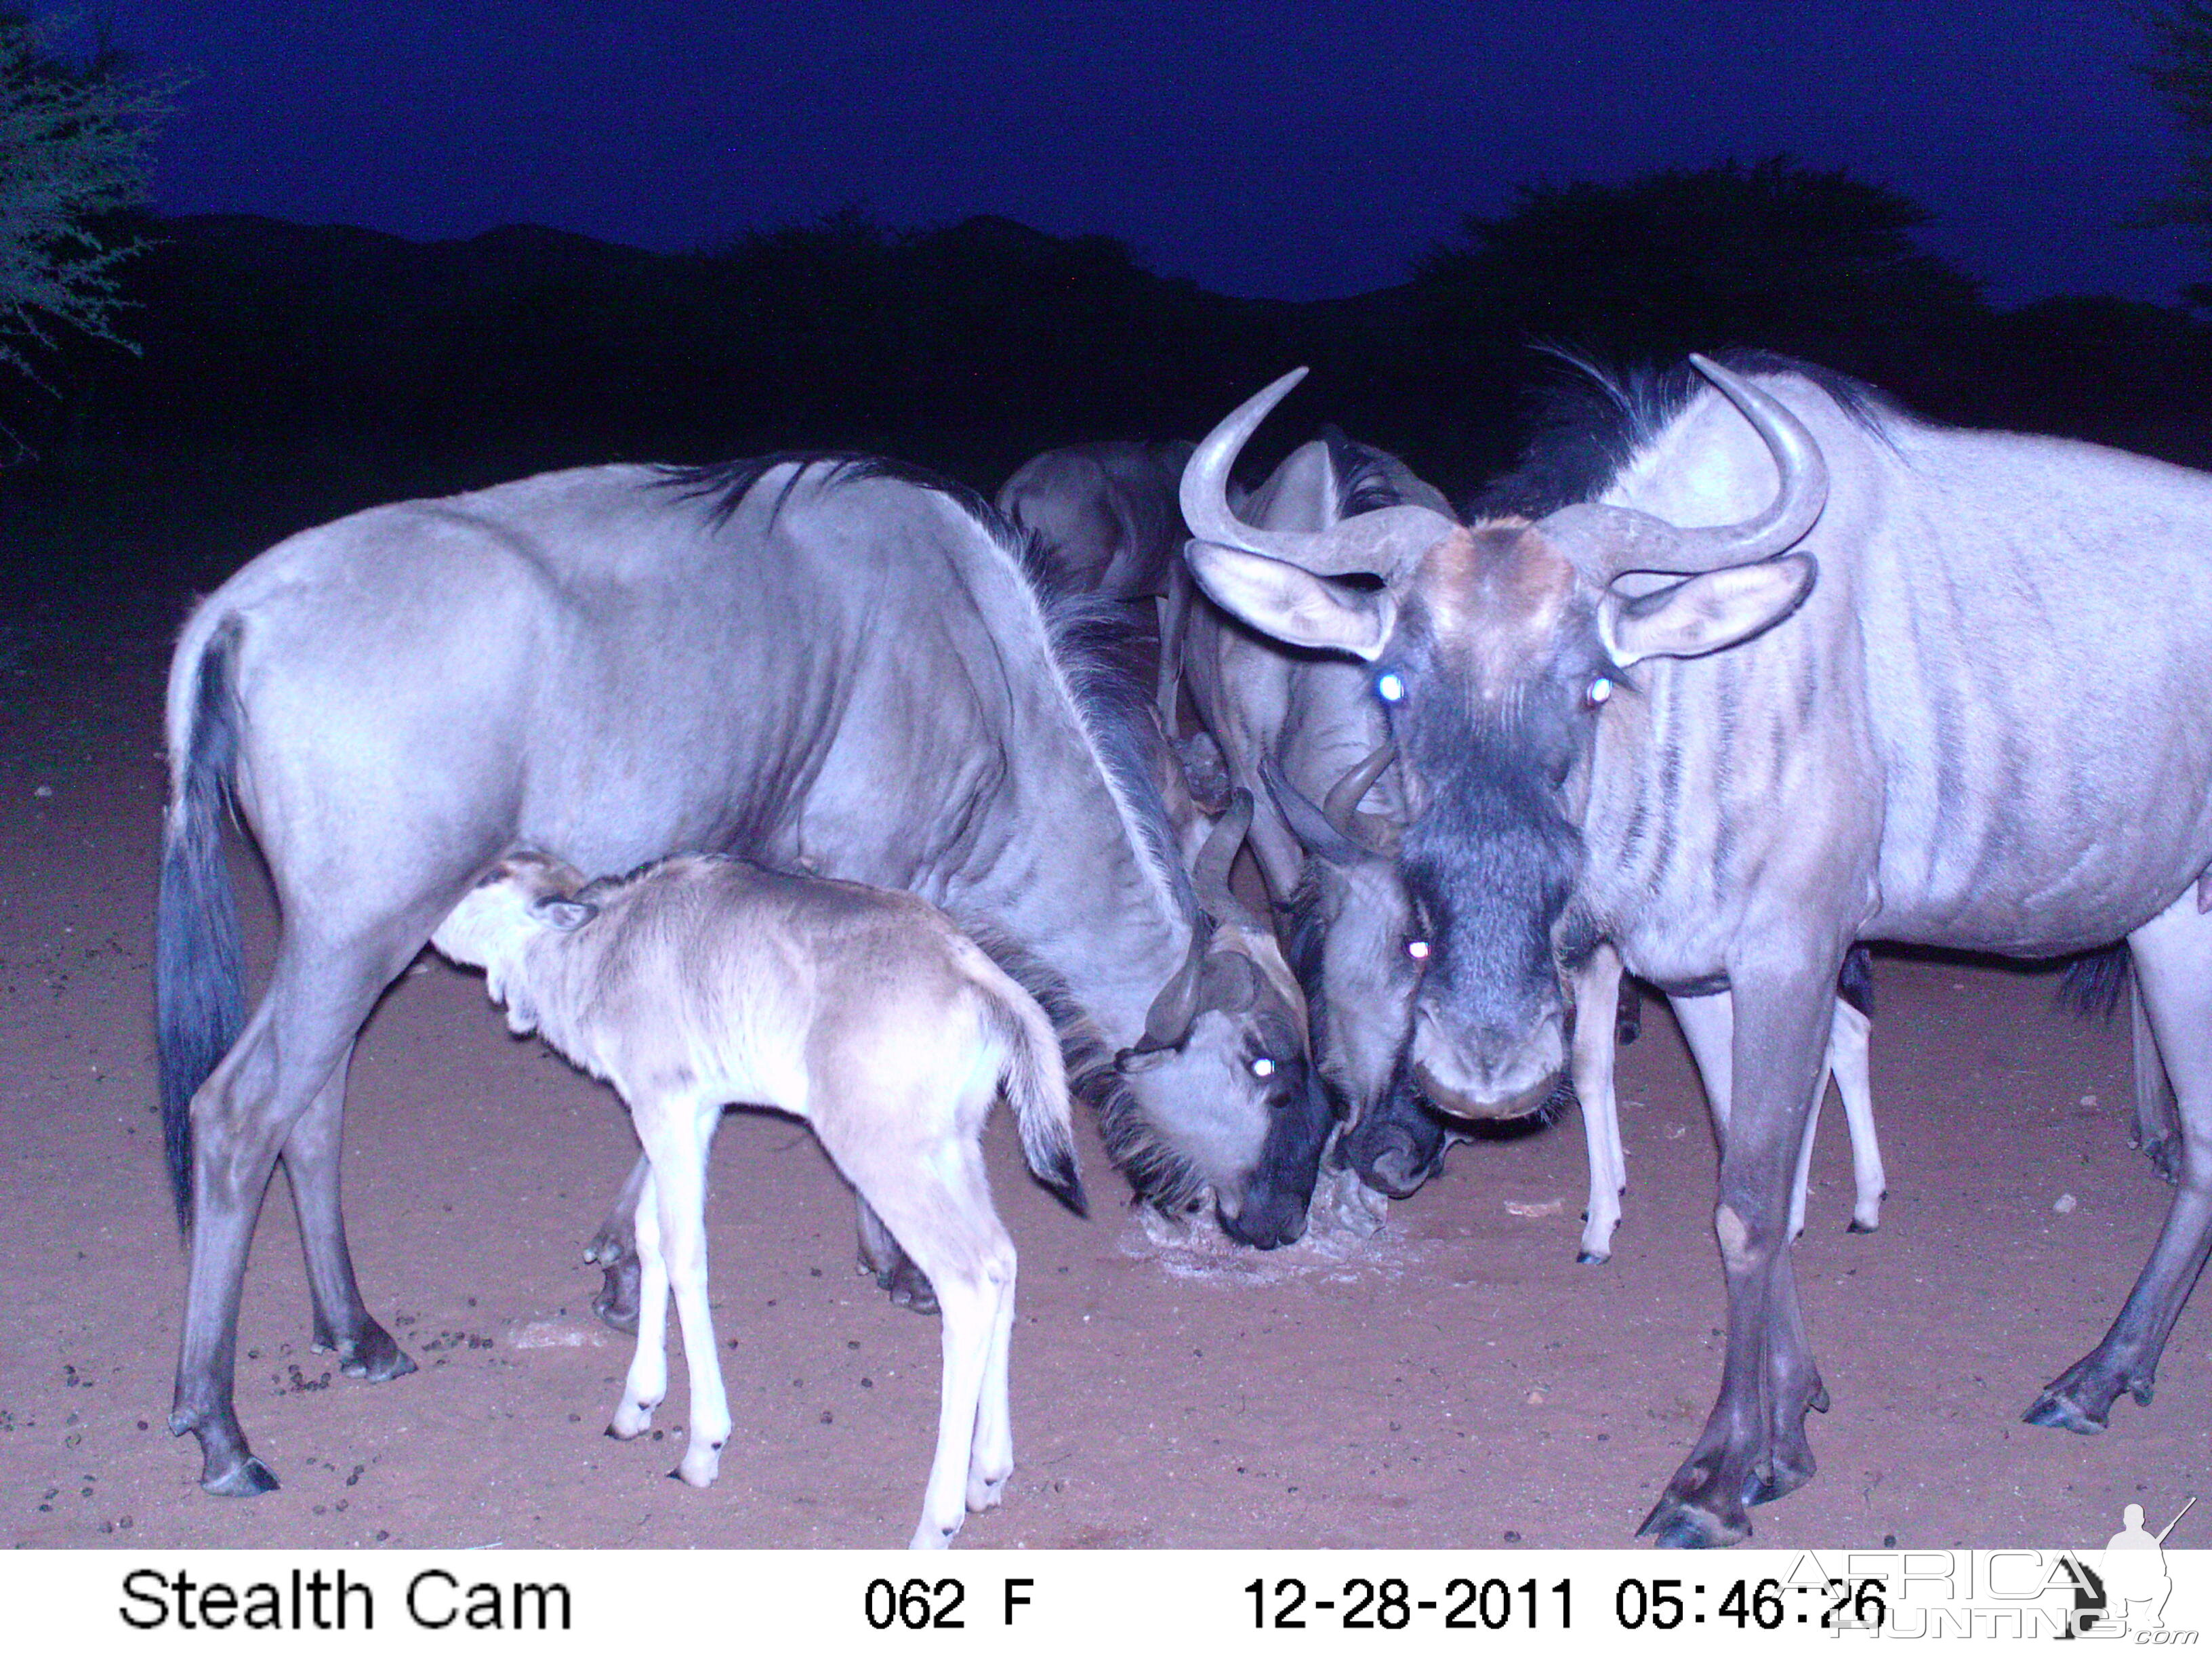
x: 374, y: 1357
x: 984, y: 1494
x: 1590, y: 1258
x: 2055, y: 1411
x: 909, y: 1287
x: 248, y: 1478
x: 1674, y: 1523
x: 617, y: 1301
x: 1858, y: 1226
x: 2165, y: 1155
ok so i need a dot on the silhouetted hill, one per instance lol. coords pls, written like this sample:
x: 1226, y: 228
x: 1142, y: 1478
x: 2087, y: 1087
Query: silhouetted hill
x: 971, y: 346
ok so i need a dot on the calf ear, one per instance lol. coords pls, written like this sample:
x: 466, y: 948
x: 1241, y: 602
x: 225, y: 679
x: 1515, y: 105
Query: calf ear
x: 1295, y: 605
x: 1706, y: 613
x: 563, y: 915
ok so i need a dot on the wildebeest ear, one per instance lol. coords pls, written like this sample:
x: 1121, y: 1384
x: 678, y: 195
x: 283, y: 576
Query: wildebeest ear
x: 1706, y: 613
x: 563, y: 915
x: 1294, y: 605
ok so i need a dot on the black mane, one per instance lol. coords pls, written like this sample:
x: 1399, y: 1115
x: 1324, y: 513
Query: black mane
x: 1587, y: 423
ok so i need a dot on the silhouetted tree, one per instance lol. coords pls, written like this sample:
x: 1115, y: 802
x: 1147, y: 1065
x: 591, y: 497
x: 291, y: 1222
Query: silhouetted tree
x: 1771, y: 254
x: 2179, y: 70
x: 74, y: 138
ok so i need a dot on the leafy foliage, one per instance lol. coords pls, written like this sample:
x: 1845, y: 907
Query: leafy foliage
x: 74, y: 138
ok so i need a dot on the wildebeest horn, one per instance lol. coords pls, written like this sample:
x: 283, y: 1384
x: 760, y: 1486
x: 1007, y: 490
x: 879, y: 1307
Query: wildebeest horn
x: 1167, y: 1023
x: 1385, y: 544
x: 1316, y: 833
x: 1342, y: 806
x: 1209, y: 873
x: 1605, y: 542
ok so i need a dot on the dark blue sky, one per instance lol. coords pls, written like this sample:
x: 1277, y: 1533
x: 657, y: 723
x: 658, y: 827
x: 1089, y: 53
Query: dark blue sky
x: 1298, y: 149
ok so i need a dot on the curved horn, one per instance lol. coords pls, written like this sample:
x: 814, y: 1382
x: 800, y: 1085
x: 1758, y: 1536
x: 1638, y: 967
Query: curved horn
x: 1384, y: 543
x: 1209, y: 873
x: 1342, y: 806
x: 1604, y: 542
x: 1167, y: 1022
x: 1315, y: 832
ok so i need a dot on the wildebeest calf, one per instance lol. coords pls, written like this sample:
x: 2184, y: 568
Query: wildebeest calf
x: 704, y: 981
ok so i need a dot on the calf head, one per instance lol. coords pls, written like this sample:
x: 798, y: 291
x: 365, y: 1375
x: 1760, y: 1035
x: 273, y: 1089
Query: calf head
x: 1496, y: 648
x: 520, y: 900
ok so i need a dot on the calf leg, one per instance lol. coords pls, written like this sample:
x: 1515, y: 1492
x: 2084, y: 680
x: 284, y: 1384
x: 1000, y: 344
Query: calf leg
x: 676, y: 1135
x: 342, y: 1325
x: 1708, y: 1024
x: 1848, y: 1041
x: 2174, y: 974
x: 893, y: 1269
x: 614, y: 1248
x: 647, y: 1384
x: 1754, y: 1447
x: 936, y: 1201
x: 1597, y: 998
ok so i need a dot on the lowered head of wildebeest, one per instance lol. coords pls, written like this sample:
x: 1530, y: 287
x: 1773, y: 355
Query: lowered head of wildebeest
x: 1235, y: 1015
x: 1496, y: 648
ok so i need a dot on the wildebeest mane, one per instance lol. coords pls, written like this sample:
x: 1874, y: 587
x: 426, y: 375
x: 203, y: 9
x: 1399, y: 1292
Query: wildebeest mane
x: 1587, y: 422
x: 1155, y: 1170
x: 724, y: 485
x: 1364, y: 480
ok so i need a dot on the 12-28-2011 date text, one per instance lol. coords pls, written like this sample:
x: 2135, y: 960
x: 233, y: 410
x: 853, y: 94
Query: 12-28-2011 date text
x: 1393, y: 1604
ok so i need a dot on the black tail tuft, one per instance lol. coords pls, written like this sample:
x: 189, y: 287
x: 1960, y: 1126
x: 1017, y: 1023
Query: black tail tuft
x: 1060, y: 1179
x: 1855, y: 985
x: 2092, y: 986
x: 199, y: 970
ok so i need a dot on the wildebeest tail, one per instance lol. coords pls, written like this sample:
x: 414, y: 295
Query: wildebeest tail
x: 199, y: 970
x: 2092, y: 986
x: 1855, y: 985
x: 1035, y: 1081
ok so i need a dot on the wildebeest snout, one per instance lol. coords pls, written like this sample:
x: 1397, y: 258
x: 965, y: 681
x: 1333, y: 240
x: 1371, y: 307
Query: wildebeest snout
x: 1487, y: 1074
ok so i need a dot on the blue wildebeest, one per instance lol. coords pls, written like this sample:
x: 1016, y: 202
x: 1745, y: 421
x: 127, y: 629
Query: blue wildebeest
x: 1108, y: 525
x: 1295, y: 727
x: 1354, y: 936
x: 816, y: 663
x: 1976, y: 729
x: 700, y: 981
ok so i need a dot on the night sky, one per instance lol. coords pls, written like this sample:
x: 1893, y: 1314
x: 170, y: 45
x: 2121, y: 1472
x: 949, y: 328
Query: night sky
x: 1294, y: 150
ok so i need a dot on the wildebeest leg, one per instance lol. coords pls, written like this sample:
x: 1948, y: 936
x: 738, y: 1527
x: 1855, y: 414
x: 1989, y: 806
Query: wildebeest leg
x: 1708, y: 1025
x: 677, y: 1134
x: 1848, y: 1039
x: 646, y: 1384
x: 1596, y: 997
x: 2157, y: 1131
x: 941, y: 1208
x: 2174, y: 969
x: 342, y: 1325
x: 241, y: 1117
x: 1754, y: 1448
x: 892, y: 1268
x: 614, y: 1246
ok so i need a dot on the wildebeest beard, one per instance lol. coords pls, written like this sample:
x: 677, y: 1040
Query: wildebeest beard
x: 1492, y: 863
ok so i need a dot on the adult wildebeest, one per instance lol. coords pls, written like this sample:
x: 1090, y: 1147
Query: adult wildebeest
x: 702, y: 981
x: 1637, y: 718
x: 1295, y: 727
x: 1108, y: 525
x: 817, y: 663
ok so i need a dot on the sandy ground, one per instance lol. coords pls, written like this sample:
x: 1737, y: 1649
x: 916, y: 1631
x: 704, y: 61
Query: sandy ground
x: 1457, y: 1381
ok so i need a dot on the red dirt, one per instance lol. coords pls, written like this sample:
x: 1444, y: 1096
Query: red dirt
x: 1458, y: 1381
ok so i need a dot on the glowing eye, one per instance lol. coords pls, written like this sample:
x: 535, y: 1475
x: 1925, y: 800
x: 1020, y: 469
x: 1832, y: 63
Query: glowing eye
x: 1390, y: 688
x: 1263, y: 1067
x: 1599, y: 690
x: 1418, y: 949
